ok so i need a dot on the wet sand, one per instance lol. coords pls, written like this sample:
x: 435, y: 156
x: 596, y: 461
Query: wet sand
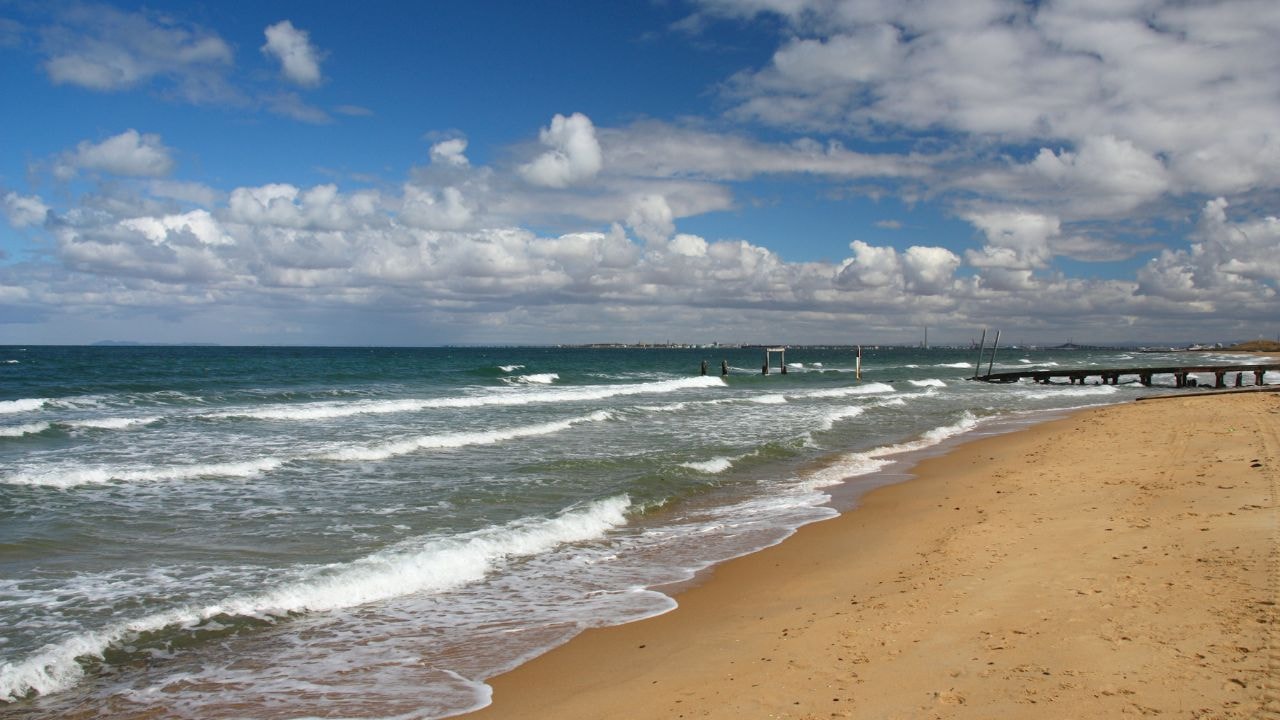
x: 1121, y: 561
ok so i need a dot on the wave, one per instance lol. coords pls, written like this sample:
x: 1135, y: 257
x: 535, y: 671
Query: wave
x: 64, y: 478
x: 537, y: 378
x: 23, y: 405
x: 455, y: 440
x: 830, y: 419
x: 955, y: 365
x: 929, y: 438
x: 34, y: 428
x: 872, y: 388
x: 933, y: 382
x: 510, y: 368
x: 427, y: 565
x: 772, y: 399
x: 111, y: 423
x: 75, y: 477
x: 1071, y: 391
x: 509, y: 397
x: 714, y: 466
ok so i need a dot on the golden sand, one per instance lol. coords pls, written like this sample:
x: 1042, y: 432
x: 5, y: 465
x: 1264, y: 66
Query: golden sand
x: 1123, y: 561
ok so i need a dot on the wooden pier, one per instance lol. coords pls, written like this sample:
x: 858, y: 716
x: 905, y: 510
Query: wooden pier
x: 1111, y: 376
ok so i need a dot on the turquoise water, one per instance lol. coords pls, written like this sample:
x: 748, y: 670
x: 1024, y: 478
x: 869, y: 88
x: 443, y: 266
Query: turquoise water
x: 355, y: 532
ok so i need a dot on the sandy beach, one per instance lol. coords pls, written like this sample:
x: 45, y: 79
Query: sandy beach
x: 1123, y: 561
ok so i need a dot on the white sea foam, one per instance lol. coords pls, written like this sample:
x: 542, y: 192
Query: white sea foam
x: 510, y: 368
x: 771, y: 399
x: 714, y: 466
x: 829, y: 420
x: 64, y: 478
x: 849, y: 466
x: 324, y: 410
x: 23, y: 405
x: 505, y: 397
x: 455, y: 440
x: 112, y: 423
x: 933, y: 382
x: 955, y: 365
x: 21, y: 430
x: 538, y: 378
x: 428, y: 565
x: 1071, y: 391
x: 862, y: 463
x: 872, y: 388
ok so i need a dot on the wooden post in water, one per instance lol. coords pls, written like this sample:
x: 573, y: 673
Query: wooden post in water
x: 724, y: 368
x: 994, y: 345
x: 857, y: 372
x: 982, y: 345
x: 704, y: 367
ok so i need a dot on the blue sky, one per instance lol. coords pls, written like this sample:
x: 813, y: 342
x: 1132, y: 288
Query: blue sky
x: 751, y: 170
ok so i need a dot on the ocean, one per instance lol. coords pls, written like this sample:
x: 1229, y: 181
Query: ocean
x: 213, y: 532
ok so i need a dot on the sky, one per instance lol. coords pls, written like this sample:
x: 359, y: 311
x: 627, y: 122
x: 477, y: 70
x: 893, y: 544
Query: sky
x: 732, y: 171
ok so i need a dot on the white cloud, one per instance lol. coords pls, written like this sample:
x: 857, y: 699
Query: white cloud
x: 654, y: 149
x: 929, y: 270
x: 870, y: 267
x: 129, y: 154
x: 450, y: 152
x: 1232, y: 263
x: 1133, y: 103
x: 24, y: 210
x: 1016, y: 239
x: 573, y: 156
x: 101, y: 48
x: 299, y: 59
x: 319, y: 208
x: 446, y: 210
x: 652, y: 219
x: 198, y: 224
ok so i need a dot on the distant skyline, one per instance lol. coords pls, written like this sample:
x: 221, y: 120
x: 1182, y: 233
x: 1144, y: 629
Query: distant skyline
x: 502, y: 172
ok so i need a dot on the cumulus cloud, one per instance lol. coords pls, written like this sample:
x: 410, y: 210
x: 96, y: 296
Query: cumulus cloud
x: 1130, y: 102
x: 101, y: 48
x: 573, y: 153
x: 929, y: 270
x: 652, y: 219
x: 1016, y: 239
x: 299, y: 59
x: 24, y: 210
x: 318, y: 208
x: 919, y: 270
x: 450, y: 152
x: 870, y: 267
x: 1227, y: 262
x: 129, y: 154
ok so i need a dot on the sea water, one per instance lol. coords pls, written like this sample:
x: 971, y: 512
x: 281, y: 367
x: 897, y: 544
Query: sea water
x: 373, y: 532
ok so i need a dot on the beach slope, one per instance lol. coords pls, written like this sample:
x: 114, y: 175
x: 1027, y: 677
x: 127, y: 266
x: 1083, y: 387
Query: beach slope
x: 1121, y: 561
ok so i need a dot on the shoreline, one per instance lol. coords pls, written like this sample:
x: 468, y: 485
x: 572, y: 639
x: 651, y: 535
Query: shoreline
x: 1119, y: 559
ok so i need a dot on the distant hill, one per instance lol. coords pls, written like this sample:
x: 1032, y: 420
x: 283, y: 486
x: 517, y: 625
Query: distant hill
x: 1257, y: 346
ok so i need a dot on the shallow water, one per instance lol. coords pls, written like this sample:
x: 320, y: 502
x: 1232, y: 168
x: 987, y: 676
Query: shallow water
x: 284, y: 532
